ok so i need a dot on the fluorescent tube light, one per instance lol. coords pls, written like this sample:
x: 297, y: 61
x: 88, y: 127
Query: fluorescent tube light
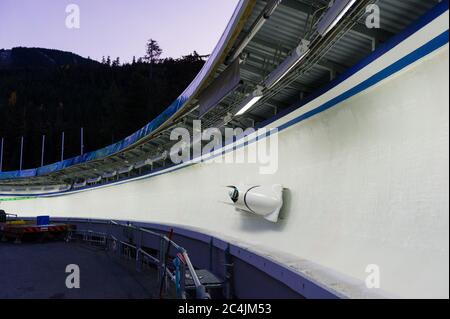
x: 328, y: 15
x: 289, y: 69
x: 287, y: 65
x: 249, y: 104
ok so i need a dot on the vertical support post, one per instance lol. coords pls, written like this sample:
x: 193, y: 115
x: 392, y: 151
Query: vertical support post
x: 374, y: 44
x: 162, y: 257
x: 183, y: 280
x: 228, y: 273
x: 211, y: 252
x: 82, y: 141
x: 108, y: 231
x: 1, y: 154
x: 139, y: 235
x: 62, y: 147
x: 42, y: 150
x: 21, y: 153
x: 177, y: 263
x: 115, y: 231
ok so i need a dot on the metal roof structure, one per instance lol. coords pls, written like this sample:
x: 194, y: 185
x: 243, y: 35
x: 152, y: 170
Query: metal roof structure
x: 267, y: 34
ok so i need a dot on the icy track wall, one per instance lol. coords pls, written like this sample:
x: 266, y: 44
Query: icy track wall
x: 367, y: 181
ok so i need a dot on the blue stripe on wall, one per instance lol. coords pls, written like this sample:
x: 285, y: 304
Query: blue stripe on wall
x: 431, y: 15
x: 424, y: 50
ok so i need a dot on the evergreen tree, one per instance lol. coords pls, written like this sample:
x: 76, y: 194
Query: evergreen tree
x: 153, y: 53
x: 116, y: 62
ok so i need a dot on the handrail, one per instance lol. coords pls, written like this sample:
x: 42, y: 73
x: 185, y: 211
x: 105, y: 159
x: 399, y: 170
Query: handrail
x: 91, y: 232
x: 128, y: 245
x: 200, y: 289
x: 154, y: 259
x: 192, y: 270
x: 174, y: 244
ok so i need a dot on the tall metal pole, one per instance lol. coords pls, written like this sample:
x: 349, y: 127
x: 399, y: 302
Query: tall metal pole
x: 62, y: 147
x: 1, y: 155
x: 21, y: 153
x: 82, y: 141
x: 43, y: 150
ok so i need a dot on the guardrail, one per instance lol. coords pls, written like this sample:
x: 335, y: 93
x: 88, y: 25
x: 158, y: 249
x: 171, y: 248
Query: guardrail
x: 181, y: 262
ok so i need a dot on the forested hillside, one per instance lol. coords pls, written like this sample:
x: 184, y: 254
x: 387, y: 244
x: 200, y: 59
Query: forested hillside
x: 62, y: 92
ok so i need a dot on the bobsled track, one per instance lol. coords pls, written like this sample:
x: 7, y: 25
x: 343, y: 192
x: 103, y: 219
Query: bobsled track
x: 362, y: 156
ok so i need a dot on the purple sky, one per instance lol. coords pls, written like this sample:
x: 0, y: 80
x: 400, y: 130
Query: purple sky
x: 116, y: 27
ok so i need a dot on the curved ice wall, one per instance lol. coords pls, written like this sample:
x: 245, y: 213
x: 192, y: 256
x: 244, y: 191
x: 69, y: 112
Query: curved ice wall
x: 366, y: 178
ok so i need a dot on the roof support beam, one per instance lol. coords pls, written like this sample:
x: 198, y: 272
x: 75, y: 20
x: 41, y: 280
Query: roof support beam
x: 263, y: 17
x: 297, y: 5
x: 323, y: 63
x: 376, y: 35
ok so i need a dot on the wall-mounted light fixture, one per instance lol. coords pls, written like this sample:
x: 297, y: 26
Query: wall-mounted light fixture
x: 250, y: 101
x: 333, y: 15
x: 288, y: 64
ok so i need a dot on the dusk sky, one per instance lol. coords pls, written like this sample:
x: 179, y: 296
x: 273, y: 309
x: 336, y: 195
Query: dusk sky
x: 116, y: 27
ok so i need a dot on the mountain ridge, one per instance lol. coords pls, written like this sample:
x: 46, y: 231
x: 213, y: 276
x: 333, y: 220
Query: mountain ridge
x: 24, y: 57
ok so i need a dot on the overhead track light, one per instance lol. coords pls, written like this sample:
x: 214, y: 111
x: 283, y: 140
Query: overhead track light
x: 334, y: 14
x: 94, y: 180
x: 158, y: 158
x: 251, y: 100
x: 288, y: 64
x: 264, y: 16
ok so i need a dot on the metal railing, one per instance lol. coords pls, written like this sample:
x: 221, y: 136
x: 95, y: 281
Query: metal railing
x: 91, y: 237
x: 181, y: 261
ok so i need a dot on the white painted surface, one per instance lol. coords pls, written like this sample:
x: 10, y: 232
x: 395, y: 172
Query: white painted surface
x: 367, y: 180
